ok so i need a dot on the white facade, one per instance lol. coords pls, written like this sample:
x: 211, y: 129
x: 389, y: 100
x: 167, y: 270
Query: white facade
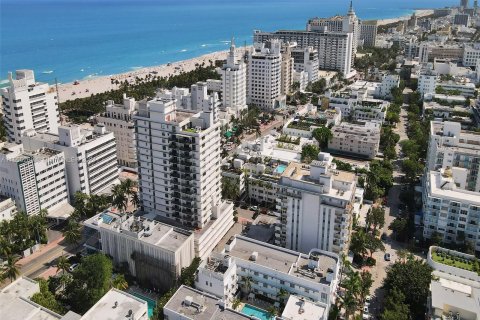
x: 7, y: 209
x: 306, y: 60
x: 179, y: 169
x: 118, y: 118
x: 449, y: 209
x: 466, y: 89
x: 265, y: 76
x: 117, y: 304
x: 471, y: 55
x: 427, y: 83
x: 315, y: 204
x: 91, y: 157
x: 389, y: 82
x: 313, y: 276
x: 35, y: 179
x: 155, y: 252
x: 234, y: 83
x: 454, y: 292
x: 28, y: 105
x: 357, y: 140
x: 450, y: 147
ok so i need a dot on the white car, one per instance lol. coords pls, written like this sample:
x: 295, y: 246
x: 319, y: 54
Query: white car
x: 73, y: 267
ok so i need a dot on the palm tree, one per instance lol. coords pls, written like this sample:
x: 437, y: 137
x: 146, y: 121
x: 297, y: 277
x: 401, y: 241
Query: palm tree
x: 10, y: 270
x: 236, y: 303
x: 120, y: 198
x: 72, y: 232
x: 272, y: 311
x: 63, y: 264
x: 119, y: 282
x: 247, y: 282
x: 282, y: 294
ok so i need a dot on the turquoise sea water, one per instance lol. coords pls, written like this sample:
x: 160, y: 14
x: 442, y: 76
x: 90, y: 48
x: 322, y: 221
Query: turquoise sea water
x: 256, y: 312
x: 75, y: 39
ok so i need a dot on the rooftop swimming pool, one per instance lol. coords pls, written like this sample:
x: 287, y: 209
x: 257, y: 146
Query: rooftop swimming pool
x: 280, y: 169
x: 106, y: 218
x: 150, y: 303
x: 256, y: 312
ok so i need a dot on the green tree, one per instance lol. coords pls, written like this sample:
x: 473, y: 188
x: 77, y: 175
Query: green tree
x: 230, y: 188
x: 411, y: 278
x: 395, y: 307
x: 323, y: 135
x: 119, y: 282
x: 282, y: 295
x: 10, y: 270
x: 375, y: 218
x: 236, y: 303
x: 399, y: 226
x: 119, y: 198
x: 72, y: 232
x: 309, y: 153
x: 47, y: 299
x: 90, y: 281
x: 358, y: 244
x: 63, y: 264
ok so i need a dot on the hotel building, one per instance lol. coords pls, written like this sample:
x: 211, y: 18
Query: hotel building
x: 259, y: 268
x: 306, y: 59
x: 356, y: 140
x: 234, y: 83
x: 315, y: 203
x: 154, y: 252
x: 28, y: 105
x: 118, y: 118
x: 34, y: 179
x: 179, y: 169
x: 91, y: 157
x: 368, y: 33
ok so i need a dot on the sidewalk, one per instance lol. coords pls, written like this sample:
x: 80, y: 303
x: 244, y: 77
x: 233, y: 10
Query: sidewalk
x: 43, y: 249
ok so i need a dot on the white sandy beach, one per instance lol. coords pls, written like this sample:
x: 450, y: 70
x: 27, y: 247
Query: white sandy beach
x: 418, y: 13
x: 87, y: 87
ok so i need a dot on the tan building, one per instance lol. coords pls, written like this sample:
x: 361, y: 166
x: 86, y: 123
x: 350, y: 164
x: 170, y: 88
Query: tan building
x: 355, y: 140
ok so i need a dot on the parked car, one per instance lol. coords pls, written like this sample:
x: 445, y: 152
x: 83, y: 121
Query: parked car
x: 73, y: 267
x: 384, y: 236
x: 254, y: 208
x: 387, y: 257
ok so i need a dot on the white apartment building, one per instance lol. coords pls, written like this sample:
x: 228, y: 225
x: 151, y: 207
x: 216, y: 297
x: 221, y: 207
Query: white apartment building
x: 368, y: 33
x: 370, y: 110
x: 466, y: 89
x: 155, y: 252
x: 334, y: 48
x: 90, y: 156
x: 451, y: 147
x: 427, y: 83
x: 193, y: 99
x: 449, y: 209
x: 234, y: 83
x: 116, y: 304
x: 454, y: 292
x: 313, y: 276
x: 287, y: 70
x: 315, y: 204
x: 28, y: 105
x: 7, y: 209
x: 429, y: 51
x: 389, y: 81
x: 118, y: 118
x: 471, y: 55
x: 192, y: 304
x: 306, y: 60
x: 179, y: 169
x: 34, y: 179
x: 356, y: 140
x: 265, y: 76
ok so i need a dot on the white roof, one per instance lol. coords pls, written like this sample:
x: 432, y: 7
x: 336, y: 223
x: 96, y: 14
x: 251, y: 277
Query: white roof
x: 297, y: 309
x: 116, y: 304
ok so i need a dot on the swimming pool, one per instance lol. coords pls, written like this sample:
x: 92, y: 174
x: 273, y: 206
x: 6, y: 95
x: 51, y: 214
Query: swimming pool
x: 106, y: 218
x: 150, y: 303
x: 281, y: 168
x: 256, y: 312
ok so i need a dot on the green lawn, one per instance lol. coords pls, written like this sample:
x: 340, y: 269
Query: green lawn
x: 448, y: 260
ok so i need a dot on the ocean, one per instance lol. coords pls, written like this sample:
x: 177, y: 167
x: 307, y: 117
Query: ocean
x: 78, y: 39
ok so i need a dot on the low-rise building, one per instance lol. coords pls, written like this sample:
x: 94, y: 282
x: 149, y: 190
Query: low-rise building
x: 262, y: 269
x: 7, y: 208
x: 389, y: 81
x: 91, y: 155
x: 454, y: 292
x: 459, y: 88
x: 355, y: 140
x: 471, y: 55
x: 117, y: 304
x: 154, y: 252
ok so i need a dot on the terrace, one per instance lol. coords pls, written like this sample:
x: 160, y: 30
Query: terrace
x: 452, y: 260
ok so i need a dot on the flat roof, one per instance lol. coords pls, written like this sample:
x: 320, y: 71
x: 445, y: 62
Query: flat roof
x: 205, y: 306
x: 116, y: 304
x: 456, y: 194
x: 300, y: 309
x: 146, y: 230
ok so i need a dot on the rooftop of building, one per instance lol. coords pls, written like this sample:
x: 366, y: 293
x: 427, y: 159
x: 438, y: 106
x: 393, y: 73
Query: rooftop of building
x: 447, y: 293
x: 281, y: 259
x: 16, y: 152
x: 15, y: 303
x: 444, y: 187
x: 195, y: 304
x: 298, y: 308
x: 356, y: 132
x: 145, y: 230
x: 116, y: 304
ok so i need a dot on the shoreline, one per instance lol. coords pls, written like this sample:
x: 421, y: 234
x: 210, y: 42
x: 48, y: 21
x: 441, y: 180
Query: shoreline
x: 420, y: 13
x: 87, y: 87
